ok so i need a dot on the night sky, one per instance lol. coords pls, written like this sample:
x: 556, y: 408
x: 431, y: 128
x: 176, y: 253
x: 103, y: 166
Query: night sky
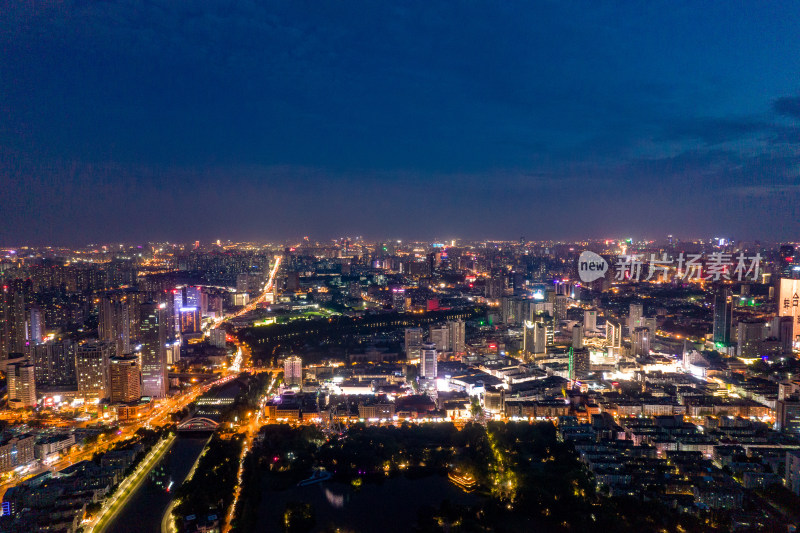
x: 149, y: 120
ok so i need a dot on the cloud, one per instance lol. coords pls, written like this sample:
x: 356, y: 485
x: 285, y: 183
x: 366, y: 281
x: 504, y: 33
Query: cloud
x: 785, y: 135
x: 763, y: 191
x: 714, y: 131
x: 788, y: 106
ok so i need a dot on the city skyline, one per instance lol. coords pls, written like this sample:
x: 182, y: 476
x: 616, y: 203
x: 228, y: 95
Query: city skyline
x: 125, y: 122
x: 399, y: 266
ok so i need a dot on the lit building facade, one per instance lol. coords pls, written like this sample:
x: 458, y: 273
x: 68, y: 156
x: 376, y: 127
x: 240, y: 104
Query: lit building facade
x: 125, y: 379
x: 153, y: 339
x: 91, y: 366
x: 293, y: 370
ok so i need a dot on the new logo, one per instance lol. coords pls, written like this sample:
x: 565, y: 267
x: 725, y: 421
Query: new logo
x: 591, y: 266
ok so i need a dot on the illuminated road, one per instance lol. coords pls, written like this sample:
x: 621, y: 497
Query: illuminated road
x: 268, y: 286
x: 250, y: 431
x: 159, y: 416
x: 236, y: 365
x: 128, y: 486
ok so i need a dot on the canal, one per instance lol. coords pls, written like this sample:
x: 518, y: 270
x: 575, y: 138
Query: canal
x: 145, y: 508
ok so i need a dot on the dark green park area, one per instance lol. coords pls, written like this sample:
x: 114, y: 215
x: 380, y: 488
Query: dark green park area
x: 396, y: 478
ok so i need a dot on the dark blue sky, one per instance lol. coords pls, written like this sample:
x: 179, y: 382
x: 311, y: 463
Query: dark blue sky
x: 136, y: 120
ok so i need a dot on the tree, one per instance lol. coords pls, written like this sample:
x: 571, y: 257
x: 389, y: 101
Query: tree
x: 298, y: 517
x: 476, y: 408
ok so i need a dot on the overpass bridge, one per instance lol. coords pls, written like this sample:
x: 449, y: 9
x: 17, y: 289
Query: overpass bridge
x: 198, y: 424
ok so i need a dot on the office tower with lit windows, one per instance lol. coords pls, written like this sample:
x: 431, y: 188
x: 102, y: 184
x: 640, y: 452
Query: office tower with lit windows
x: 580, y: 363
x: 413, y: 343
x: 215, y: 305
x: 428, y: 368
x: 534, y: 338
x: 784, y: 331
x: 21, y: 381
x: 55, y: 363
x: 789, y: 304
x: 495, y: 286
x: 119, y: 319
x: 124, y: 379
x: 457, y: 336
x: 177, y: 305
x: 749, y: 334
x: 293, y: 371
x: 153, y: 340
x: 440, y: 336
x: 787, y: 415
x: 193, y: 297
x: 35, y: 326
x: 560, y: 307
x: 13, y: 299
x: 635, y: 317
x: 722, y: 316
x: 399, y: 299
x: 91, y: 366
x: 640, y: 341
x: 190, y: 320
x: 614, y: 337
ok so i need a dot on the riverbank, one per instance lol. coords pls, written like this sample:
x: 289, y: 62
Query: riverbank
x: 129, y: 485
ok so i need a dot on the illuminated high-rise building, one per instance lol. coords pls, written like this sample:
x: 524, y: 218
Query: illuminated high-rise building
x: 21, y: 380
x: 399, y: 299
x: 534, y: 338
x: 789, y: 304
x: 786, y: 267
x: 177, y: 305
x: 614, y: 336
x: 785, y: 333
x: 413, y: 343
x: 749, y: 334
x: 293, y: 370
x: 190, y: 320
x: 589, y: 320
x: 124, y: 379
x: 635, y: 317
x: 119, y: 319
x: 12, y: 317
x: 35, y: 326
x: 153, y: 339
x: 91, y: 366
x: 640, y: 341
x: 55, y: 363
x: 440, y: 336
x: 428, y: 368
x: 577, y: 336
x: 193, y: 297
x: 722, y: 316
x: 456, y: 336
x: 560, y: 307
